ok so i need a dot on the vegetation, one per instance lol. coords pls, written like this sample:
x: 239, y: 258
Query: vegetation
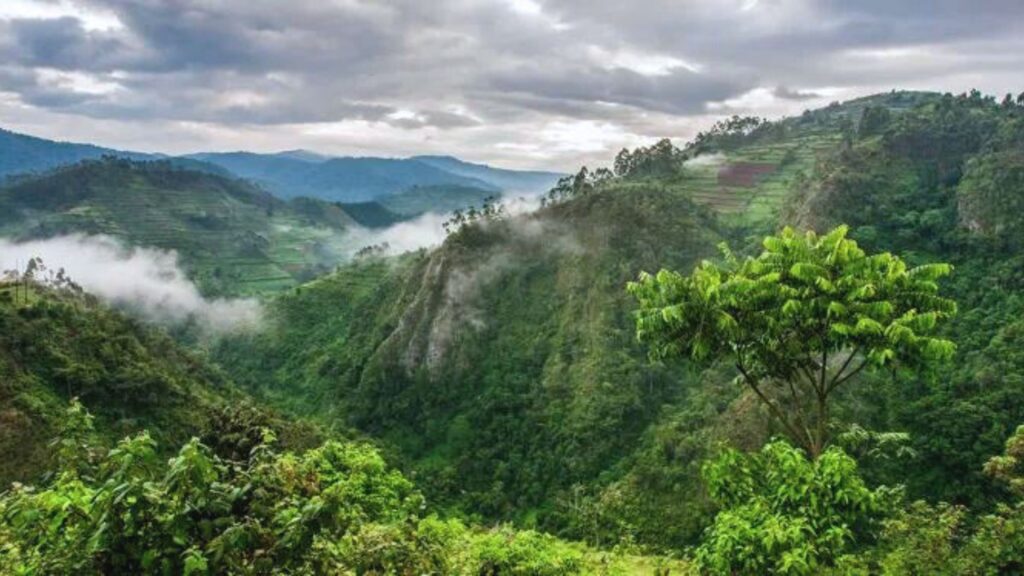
x: 231, y: 237
x: 58, y: 343
x: 801, y: 414
x: 334, y: 509
x: 799, y: 321
x: 783, y: 513
x: 509, y: 352
x: 439, y: 199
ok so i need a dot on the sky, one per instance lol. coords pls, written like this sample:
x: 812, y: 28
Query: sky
x: 550, y: 84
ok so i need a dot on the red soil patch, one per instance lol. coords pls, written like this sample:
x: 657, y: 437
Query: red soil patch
x: 744, y: 174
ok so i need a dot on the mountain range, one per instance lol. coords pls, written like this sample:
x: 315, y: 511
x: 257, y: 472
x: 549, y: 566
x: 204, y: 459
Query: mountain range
x: 500, y: 371
x: 293, y: 173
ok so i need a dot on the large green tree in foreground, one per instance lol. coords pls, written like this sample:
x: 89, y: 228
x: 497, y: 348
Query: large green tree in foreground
x: 799, y: 320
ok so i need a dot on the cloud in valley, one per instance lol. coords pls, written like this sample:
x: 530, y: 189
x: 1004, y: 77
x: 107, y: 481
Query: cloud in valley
x: 145, y: 280
x: 526, y: 83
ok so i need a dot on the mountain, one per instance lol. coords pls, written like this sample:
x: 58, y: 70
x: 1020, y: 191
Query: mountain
x: 296, y: 173
x: 21, y: 154
x: 107, y: 422
x: 337, y: 179
x: 501, y: 372
x: 503, y: 366
x: 232, y: 237
x: 511, y: 181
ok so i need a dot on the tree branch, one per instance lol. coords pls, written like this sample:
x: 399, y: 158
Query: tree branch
x: 775, y: 410
x: 855, y: 371
x: 843, y: 368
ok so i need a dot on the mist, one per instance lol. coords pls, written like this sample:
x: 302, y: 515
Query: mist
x: 424, y: 231
x: 145, y: 281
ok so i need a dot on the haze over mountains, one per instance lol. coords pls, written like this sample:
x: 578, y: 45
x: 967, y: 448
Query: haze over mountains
x: 294, y: 173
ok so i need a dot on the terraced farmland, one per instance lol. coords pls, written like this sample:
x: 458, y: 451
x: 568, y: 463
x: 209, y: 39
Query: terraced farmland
x: 231, y: 237
x: 752, y: 182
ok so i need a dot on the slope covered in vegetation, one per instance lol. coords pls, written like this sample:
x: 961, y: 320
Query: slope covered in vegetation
x: 503, y: 366
x: 93, y: 404
x: 57, y: 343
x: 232, y: 237
x: 502, y: 373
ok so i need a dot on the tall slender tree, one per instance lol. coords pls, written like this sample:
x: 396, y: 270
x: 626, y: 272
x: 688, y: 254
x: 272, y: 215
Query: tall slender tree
x: 799, y: 321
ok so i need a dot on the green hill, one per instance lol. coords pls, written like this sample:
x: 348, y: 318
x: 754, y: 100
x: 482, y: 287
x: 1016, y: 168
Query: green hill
x: 58, y: 344
x: 503, y: 367
x: 500, y: 371
x: 162, y: 462
x: 232, y: 237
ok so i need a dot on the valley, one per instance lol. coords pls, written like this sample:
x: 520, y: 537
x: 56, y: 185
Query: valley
x: 492, y: 392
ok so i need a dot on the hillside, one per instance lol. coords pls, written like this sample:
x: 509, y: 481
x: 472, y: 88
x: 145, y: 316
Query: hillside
x: 292, y: 173
x: 57, y: 343
x: 232, y: 237
x: 503, y: 365
x: 95, y: 408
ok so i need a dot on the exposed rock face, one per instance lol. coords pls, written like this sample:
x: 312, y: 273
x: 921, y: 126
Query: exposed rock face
x: 990, y: 197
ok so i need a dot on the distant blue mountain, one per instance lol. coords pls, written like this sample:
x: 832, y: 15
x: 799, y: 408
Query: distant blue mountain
x: 296, y: 173
x: 528, y: 182
x: 20, y: 154
x: 291, y: 174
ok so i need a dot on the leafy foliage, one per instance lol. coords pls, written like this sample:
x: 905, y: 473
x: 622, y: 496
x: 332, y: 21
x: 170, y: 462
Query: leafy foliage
x: 784, y: 315
x: 336, y: 509
x: 582, y: 183
x: 782, y: 513
x: 943, y: 539
x: 661, y: 158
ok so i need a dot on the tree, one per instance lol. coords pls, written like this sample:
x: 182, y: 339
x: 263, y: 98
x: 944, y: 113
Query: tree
x: 798, y: 321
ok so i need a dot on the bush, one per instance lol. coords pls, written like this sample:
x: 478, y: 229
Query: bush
x: 782, y: 513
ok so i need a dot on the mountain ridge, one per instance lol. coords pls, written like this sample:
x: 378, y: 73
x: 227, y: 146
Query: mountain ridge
x: 289, y: 173
x: 503, y: 365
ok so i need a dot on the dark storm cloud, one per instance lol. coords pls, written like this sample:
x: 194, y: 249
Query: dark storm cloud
x: 63, y: 43
x: 787, y: 93
x: 469, y: 65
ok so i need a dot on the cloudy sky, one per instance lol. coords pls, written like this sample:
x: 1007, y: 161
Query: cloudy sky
x: 523, y: 83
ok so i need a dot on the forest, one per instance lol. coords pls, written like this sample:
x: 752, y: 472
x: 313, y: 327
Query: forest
x: 784, y: 347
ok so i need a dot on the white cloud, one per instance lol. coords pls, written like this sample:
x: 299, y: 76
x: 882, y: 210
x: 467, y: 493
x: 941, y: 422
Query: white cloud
x: 77, y: 82
x: 92, y: 19
x: 645, y: 64
x: 146, y: 281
